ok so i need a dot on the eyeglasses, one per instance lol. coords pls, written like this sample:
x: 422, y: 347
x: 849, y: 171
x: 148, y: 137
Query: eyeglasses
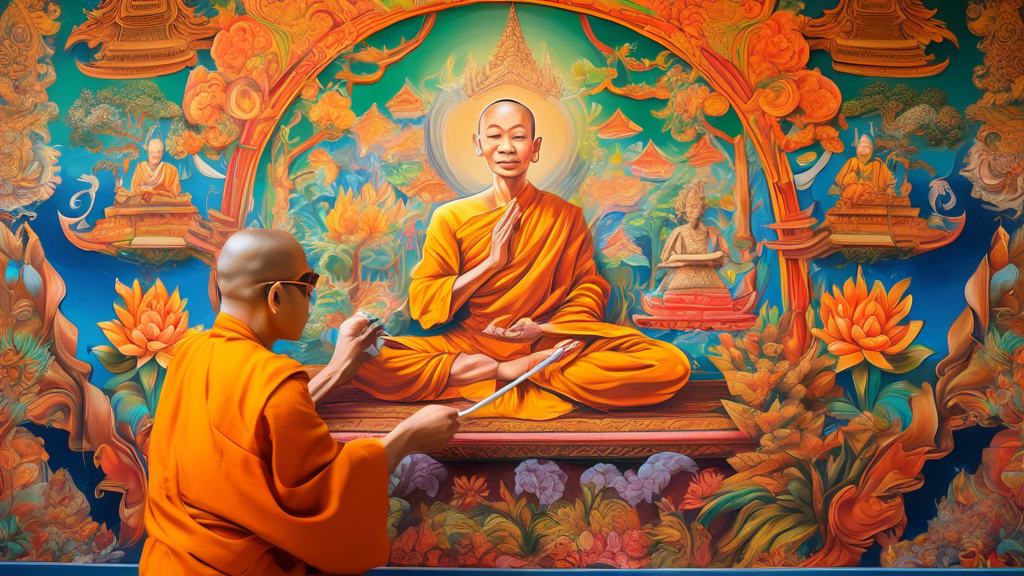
x: 308, y: 281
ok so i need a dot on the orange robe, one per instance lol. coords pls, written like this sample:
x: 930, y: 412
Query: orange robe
x: 161, y: 185
x: 244, y: 477
x: 551, y: 279
x: 861, y: 181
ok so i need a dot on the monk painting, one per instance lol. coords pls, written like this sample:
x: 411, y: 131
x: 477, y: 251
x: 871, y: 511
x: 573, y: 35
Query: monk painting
x: 864, y: 179
x: 244, y: 477
x: 510, y: 273
x: 154, y: 181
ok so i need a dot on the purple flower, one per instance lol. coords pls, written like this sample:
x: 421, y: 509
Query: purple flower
x: 632, y: 488
x: 418, y: 471
x: 661, y: 466
x: 542, y: 479
x: 652, y: 477
x: 601, y: 476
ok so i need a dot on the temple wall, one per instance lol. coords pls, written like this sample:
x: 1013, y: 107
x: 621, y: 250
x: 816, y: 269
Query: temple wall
x: 856, y: 395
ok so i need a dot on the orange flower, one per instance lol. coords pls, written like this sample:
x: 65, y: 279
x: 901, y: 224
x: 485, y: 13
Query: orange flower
x: 244, y: 99
x: 332, y: 111
x: 688, y: 101
x: 184, y: 143
x: 702, y: 487
x: 819, y: 98
x: 372, y: 222
x: 221, y: 135
x: 469, y: 492
x: 342, y: 219
x: 310, y: 90
x: 234, y: 47
x: 859, y: 325
x: 149, y: 325
x: 320, y: 159
x: 204, y: 96
x: 774, y: 46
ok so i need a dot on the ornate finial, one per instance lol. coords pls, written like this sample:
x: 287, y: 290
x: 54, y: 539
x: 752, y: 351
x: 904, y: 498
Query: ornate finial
x: 512, y: 62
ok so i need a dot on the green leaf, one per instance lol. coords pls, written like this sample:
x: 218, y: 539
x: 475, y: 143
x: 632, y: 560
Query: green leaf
x: 637, y: 260
x: 861, y: 375
x: 113, y: 360
x: 129, y: 404
x: 893, y: 403
x: 733, y: 501
x: 841, y: 409
x: 113, y: 383
x: 909, y: 359
x: 147, y: 377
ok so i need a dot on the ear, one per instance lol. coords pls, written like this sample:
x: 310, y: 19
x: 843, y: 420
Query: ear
x: 536, y: 149
x: 477, y: 146
x: 274, y: 298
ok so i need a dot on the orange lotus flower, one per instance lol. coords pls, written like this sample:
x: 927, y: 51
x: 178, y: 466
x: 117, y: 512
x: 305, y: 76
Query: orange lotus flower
x: 861, y: 325
x: 468, y: 492
x: 701, y: 489
x: 342, y: 219
x: 149, y: 325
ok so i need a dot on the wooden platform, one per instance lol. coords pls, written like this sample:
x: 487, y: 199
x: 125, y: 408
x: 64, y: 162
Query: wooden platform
x: 692, y: 423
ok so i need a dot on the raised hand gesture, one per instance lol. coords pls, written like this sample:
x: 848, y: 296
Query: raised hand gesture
x: 501, y: 236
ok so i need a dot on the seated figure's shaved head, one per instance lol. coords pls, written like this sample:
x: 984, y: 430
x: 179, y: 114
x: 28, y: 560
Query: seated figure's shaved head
x: 257, y: 255
x: 508, y: 102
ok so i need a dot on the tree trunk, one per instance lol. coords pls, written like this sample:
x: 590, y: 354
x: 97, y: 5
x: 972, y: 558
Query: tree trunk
x: 655, y: 254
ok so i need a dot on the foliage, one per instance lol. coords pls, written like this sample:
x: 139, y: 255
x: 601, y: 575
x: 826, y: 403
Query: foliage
x: 111, y: 120
x: 795, y: 492
x: 979, y: 521
x: 534, y: 526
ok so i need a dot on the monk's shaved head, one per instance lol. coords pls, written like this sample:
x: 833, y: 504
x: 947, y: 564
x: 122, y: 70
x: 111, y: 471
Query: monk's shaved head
x: 257, y: 255
x: 508, y: 102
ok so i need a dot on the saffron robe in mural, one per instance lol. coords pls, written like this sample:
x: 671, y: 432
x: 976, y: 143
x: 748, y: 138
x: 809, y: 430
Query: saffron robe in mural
x: 152, y: 185
x: 244, y: 477
x: 551, y: 279
x: 861, y: 181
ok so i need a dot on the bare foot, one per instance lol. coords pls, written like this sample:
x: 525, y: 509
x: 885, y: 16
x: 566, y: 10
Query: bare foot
x: 513, y: 369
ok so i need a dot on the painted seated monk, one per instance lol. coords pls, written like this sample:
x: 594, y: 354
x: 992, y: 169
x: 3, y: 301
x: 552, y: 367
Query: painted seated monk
x: 865, y: 179
x: 244, y: 477
x: 154, y: 181
x: 511, y: 272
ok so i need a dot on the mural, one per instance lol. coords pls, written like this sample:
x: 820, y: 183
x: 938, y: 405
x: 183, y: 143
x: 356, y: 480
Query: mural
x: 789, y: 194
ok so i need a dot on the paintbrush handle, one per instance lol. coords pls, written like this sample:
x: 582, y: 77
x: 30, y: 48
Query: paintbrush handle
x: 498, y: 394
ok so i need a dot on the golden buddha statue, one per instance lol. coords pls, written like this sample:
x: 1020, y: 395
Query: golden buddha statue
x: 686, y: 252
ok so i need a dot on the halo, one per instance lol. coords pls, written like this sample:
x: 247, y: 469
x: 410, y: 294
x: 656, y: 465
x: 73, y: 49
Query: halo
x: 451, y: 123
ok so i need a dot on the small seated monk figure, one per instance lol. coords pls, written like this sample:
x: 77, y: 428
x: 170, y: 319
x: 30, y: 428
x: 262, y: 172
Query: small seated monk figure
x: 244, y: 477
x: 686, y: 252
x: 865, y: 179
x: 510, y: 273
x: 154, y: 181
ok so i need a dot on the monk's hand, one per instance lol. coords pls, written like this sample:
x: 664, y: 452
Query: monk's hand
x: 355, y: 336
x: 524, y: 330
x: 501, y: 236
x: 428, y: 430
